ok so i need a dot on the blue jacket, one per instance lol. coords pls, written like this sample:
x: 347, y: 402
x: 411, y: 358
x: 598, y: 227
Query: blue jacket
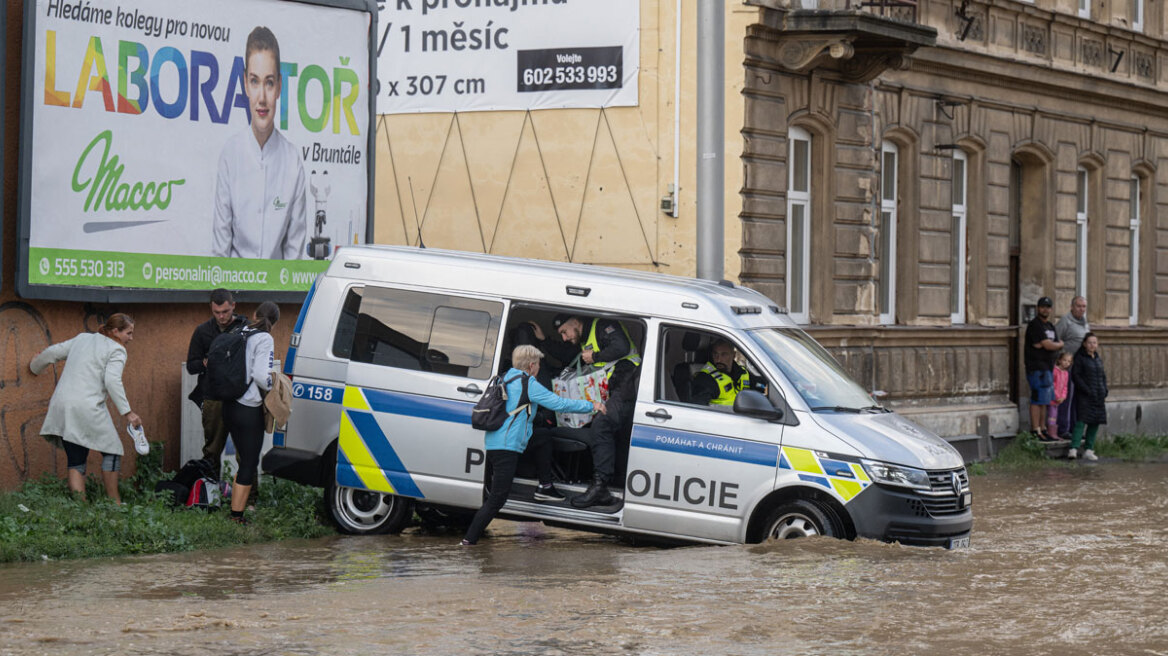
x: 516, y: 431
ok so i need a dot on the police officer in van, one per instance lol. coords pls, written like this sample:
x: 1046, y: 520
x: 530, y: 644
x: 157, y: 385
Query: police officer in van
x: 605, y: 341
x: 719, y: 382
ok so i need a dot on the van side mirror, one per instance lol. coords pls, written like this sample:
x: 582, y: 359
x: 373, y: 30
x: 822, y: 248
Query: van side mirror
x: 753, y: 404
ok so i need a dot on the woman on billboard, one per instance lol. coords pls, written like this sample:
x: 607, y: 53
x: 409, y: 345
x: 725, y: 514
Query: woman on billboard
x: 260, y: 207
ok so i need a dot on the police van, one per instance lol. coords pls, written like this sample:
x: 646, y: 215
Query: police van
x: 394, y: 345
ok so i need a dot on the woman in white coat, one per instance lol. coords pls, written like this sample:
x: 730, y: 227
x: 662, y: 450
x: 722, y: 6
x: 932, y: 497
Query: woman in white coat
x: 78, y: 420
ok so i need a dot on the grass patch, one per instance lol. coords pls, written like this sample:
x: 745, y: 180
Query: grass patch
x: 43, y: 520
x: 1132, y: 448
x: 1027, y: 453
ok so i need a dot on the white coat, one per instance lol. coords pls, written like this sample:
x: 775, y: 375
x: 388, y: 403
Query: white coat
x: 77, y: 411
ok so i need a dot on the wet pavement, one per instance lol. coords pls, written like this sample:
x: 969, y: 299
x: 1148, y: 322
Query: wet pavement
x: 1063, y: 561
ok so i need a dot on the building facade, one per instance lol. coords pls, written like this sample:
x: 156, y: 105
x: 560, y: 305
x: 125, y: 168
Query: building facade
x: 911, y: 178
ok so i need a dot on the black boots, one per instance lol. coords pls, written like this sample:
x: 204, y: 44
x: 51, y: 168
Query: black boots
x: 596, y: 494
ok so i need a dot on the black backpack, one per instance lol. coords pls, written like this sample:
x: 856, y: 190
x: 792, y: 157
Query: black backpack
x: 490, y: 413
x: 226, y: 378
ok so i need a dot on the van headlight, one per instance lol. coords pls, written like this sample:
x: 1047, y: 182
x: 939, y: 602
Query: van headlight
x: 900, y: 476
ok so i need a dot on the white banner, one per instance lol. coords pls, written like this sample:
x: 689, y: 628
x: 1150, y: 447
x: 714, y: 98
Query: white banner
x: 214, y: 136
x: 479, y: 55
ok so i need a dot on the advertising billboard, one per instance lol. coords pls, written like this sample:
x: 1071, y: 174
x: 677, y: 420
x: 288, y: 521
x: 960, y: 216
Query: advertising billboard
x: 481, y: 55
x: 171, y: 146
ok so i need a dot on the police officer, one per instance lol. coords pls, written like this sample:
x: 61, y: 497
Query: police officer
x: 605, y: 341
x: 720, y: 381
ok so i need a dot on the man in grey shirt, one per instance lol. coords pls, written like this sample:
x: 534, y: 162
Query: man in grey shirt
x: 1070, y: 330
x: 1073, y: 325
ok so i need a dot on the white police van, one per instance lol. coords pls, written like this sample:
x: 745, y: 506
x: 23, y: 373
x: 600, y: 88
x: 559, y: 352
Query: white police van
x: 394, y: 344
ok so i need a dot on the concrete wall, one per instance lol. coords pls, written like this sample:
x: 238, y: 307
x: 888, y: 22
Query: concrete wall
x: 578, y: 185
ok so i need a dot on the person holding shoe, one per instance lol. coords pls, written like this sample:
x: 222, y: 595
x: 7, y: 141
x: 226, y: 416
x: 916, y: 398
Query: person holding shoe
x: 506, y: 444
x: 1090, y: 396
x: 78, y: 420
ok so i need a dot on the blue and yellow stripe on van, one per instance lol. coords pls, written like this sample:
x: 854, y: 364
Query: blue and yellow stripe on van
x: 365, y: 457
x: 847, y: 479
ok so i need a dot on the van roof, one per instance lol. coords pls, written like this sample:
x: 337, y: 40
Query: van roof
x: 609, y: 289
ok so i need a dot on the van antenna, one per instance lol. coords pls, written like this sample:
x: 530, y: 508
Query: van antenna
x: 410, y: 180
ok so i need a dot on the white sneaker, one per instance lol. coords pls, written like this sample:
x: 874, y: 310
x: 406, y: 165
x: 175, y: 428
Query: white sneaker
x: 1089, y: 454
x: 1073, y: 453
x: 139, y: 437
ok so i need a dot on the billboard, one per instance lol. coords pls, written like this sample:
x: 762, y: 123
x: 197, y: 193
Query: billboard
x: 171, y: 146
x: 481, y: 55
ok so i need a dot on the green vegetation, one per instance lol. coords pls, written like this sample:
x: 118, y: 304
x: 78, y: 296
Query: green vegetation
x: 1133, y: 448
x: 1026, y: 452
x: 42, y: 520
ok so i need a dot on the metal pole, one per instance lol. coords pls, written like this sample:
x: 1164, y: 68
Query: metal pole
x: 711, y: 146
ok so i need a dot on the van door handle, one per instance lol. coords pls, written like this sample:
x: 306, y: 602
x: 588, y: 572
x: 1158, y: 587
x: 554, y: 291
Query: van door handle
x: 659, y: 413
x: 471, y: 389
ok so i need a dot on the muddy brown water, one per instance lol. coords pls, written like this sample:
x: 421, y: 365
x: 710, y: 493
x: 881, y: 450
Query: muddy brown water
x: 1062, y: 562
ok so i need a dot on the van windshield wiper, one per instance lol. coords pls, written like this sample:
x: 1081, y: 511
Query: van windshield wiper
x: 837, y: 408
x: 877, y: 408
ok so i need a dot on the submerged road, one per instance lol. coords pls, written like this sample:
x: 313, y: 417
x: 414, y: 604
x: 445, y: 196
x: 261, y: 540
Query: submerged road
x: 1063, y: 562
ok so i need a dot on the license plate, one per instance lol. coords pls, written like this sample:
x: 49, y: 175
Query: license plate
x: 966, y: 499
x: 958, y: 543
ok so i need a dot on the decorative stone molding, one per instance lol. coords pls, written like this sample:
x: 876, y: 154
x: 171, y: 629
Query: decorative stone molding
x: 1034, y: 39
x: 1145, y: 65
x: 1092, y: 53
x: 806, y: 52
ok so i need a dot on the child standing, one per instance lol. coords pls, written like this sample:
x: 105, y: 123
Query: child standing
x: 1062, y: 374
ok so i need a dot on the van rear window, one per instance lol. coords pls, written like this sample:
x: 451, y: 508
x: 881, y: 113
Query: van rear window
x: 427, y: 332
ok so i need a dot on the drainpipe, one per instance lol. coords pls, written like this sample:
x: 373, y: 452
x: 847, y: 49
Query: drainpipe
x: 711, y: 140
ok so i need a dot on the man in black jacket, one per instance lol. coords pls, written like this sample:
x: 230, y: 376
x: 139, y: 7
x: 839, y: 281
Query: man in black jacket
x: 223, y: 318
x: 604, y: 341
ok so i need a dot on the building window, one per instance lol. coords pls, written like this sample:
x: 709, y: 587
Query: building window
x: 1136, y: 13
x: 958, y: 239
x: 799, y: 225
x: 889, y: 160
x: 1081, y: 233
x: 1085, y: 8
x: 1134, y: 287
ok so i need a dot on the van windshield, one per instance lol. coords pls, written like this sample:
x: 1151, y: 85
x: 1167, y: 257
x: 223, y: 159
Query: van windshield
x: 817, y: 377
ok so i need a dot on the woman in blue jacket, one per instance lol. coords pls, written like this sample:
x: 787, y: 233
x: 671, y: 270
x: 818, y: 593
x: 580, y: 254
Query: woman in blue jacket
x: 505, y: 445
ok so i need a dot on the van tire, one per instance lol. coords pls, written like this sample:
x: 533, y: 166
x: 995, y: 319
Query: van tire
x: 362, y: 512
x: 800, y: 518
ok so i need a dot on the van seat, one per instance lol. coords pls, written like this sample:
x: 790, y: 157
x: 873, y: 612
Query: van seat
x: 683, y: 372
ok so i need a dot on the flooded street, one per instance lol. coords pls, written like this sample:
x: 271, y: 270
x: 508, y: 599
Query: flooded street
x: 1062, y: 562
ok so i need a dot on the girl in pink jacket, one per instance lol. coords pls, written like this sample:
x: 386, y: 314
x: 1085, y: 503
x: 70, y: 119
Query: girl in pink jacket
x: 1062, y: 374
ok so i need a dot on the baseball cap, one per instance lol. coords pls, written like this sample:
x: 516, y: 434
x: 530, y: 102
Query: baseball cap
x: 1045, y: 302
x: 561, y: 319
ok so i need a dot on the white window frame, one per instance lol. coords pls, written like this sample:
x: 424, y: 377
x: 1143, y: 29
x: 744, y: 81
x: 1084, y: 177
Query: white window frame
x: 888, y: 217
x: 1137, y: 17
x: 1082, y: 200
x: 1085, y: 9
x: 960, y: 237
x: 1134, y: 223
x: 799, y: 254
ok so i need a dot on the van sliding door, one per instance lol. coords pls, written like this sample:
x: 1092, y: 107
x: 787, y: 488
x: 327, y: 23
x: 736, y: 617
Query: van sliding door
x: 419, y: 362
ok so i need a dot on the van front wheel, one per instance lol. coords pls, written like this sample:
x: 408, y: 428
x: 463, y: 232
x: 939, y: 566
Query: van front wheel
x: 362, y: 512
x: 799, y: 519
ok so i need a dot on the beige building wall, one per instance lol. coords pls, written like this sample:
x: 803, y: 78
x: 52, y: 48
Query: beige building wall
x: 576, y: 185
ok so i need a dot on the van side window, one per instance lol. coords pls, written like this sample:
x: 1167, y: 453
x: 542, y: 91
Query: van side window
x: 347, y: 324
x: 427, y: 332
x: 690, y: 373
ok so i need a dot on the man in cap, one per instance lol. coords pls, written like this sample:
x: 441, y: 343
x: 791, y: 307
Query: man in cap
x: 601, y: 342
x: 1041, y: 349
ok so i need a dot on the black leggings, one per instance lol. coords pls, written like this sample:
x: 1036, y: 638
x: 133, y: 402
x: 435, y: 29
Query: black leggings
x: 503, y: 465
x: 246, y: 425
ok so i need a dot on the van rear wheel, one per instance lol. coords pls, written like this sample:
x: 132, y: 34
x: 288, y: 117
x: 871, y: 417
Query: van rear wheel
x: 362, y: 512
x: 800, y: 518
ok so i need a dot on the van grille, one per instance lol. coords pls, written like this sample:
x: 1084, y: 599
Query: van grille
x: 942, y: 500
